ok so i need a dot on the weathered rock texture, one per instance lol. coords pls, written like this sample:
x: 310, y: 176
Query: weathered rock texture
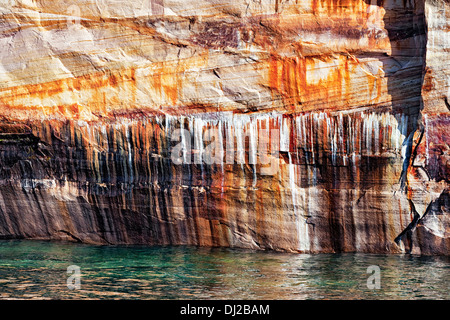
x: 355, y: 94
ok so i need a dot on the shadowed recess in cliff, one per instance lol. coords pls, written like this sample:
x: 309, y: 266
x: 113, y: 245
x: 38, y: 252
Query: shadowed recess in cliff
x: 407, y: 30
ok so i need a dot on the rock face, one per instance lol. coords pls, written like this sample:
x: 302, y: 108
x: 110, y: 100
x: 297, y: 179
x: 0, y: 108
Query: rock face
x: 303, y: 126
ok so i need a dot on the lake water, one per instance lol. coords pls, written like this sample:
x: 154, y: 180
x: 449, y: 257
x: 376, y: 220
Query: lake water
x: 38, y: 270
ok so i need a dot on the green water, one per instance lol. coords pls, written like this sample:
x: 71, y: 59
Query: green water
x: 38, y: 270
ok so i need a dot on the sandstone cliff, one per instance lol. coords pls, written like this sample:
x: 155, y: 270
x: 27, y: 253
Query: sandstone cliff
x: 350, y: 97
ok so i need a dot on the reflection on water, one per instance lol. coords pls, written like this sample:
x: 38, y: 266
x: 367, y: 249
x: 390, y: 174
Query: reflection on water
x: 38, y: 269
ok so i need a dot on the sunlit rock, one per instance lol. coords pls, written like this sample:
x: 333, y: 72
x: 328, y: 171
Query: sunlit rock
x: 303, y: 126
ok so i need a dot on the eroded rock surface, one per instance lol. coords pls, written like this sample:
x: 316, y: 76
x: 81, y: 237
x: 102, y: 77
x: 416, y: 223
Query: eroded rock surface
x: 328, y: 121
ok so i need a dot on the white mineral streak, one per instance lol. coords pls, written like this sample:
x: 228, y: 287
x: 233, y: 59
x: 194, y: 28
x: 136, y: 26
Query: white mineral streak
x: 284, y: 134
x: 198, y: 140
x: 129, y: 152
x: 302, y: 228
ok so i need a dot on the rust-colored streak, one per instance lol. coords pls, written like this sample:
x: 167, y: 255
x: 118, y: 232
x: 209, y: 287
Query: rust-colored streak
x: 95, y: 93
x: 274, y: 82
x: 312, y: 83
x: 315, y: 4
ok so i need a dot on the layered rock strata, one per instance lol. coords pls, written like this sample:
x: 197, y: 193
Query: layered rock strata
x: 303, y: 126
